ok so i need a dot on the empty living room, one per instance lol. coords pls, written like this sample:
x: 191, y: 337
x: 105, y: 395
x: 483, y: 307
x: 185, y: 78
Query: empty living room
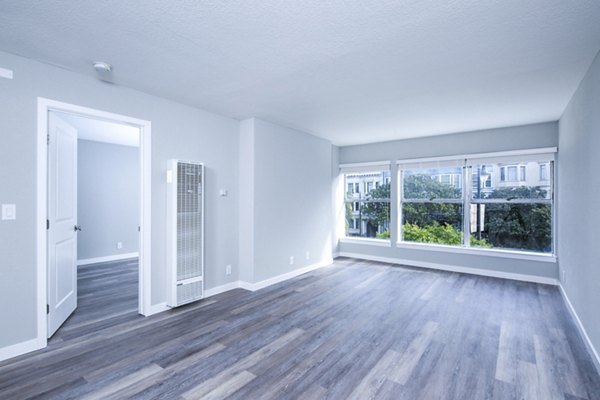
x: 308, y: 199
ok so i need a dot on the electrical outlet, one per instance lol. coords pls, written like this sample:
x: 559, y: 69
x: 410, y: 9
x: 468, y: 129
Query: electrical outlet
x: 228, y: 270
x: 9, y: 211
x: 291, y: 260
x: 119, y: 245
x: 308, y: 255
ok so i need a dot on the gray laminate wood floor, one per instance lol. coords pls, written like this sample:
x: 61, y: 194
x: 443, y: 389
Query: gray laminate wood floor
x: 354, y: 330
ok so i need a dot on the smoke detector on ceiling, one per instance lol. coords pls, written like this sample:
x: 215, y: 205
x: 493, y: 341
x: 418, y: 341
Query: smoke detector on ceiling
x: 102, y: 67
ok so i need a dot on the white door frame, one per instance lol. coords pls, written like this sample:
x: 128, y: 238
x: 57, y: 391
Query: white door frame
x: 44, y: 107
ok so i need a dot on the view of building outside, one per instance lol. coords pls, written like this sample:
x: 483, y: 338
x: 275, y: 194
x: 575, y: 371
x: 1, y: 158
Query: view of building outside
x: 368, y: 204
x: 510, y: 205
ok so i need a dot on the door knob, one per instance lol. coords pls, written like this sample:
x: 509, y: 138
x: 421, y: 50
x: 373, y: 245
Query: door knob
x: 77, y: 228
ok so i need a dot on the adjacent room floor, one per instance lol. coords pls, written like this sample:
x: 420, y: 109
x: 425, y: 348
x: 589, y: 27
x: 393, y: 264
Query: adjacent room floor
x: 107, y: 294
x: 355, y: 329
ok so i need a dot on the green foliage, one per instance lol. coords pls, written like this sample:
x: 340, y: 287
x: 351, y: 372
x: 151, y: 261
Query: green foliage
x: 519, y: 226
x: 348, y: 215
x: 383, y: 235
x: 439, y: 234
x: 421, y: 186
x: 520, y: 192
x: 377, y: 212
x: 515, y: 226
x: 480, y: 242
x: 434, y: 233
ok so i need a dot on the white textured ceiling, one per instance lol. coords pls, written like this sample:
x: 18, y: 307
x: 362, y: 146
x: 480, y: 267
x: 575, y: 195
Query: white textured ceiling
x: 350, y: 71
x: 102, y: 131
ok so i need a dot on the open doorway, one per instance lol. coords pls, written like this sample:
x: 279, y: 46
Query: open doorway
x: 94, y: 251
x: 106, y: 231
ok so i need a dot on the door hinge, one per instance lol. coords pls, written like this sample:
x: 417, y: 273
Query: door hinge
x: 48, y: 139
x: 47, y: 224
x: 47, y: 308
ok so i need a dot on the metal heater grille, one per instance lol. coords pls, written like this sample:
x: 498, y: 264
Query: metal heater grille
x: 187, y: 214
x: 189, y: 221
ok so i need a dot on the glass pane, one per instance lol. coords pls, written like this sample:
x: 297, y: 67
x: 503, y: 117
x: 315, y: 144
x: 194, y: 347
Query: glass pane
x: 370, y: 219
x: 368, y: 185
x: 512, y: 226
x: 440, y: 223
x: 519, y: 181
x: 434, y: 183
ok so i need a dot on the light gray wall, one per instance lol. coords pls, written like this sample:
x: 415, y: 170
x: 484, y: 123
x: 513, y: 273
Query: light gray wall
x: 246, y: 204
x: 578, y: 205
x: 337, y: 203
x: 108, y: 187
x: 489, y: 140
x: 291, y: 199
x: 501, y: 139
x: 178, y: 131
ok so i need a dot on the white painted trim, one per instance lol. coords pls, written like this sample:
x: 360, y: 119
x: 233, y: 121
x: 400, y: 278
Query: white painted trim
x: 509, y: 153
x: 157, y: 308
x: 267, y: 282
x: 453, y: 268
x: 116, y: 257
x: 386, y: 163
x: 520, y: 255
x: 246, y: 286
x: 368, y: 241
x: 44, y: 106
x: 41, y: 231
x: 222, y: 289
x: 586, y: 339
x: 335, y: 255
x: 21, y: 348
x: 287, y: 275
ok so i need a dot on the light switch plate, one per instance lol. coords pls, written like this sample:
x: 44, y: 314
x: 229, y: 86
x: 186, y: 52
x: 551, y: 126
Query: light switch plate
x: 9, y: 212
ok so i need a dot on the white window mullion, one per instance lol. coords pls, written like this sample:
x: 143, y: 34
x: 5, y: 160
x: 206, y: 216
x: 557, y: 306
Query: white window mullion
x: 467, y: 189
x: 399, y: 203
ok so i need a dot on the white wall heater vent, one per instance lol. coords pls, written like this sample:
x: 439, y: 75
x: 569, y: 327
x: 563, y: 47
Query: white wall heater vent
x: 185, y: 232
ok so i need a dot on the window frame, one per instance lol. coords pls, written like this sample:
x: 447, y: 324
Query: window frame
x: 361, y: 198
x: 469, y: 162
x: 402, y: 200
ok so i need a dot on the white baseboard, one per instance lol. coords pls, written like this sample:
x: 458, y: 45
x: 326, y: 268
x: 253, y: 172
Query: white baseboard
x: 21, y: 348
x: 286, y: 276
x: 267, y: 282
x: 221, y: 289
x: 335, y: 255
x: 157, y: 308
x: 116, y: 257
x: 586, y: 339
x: 453, y: 268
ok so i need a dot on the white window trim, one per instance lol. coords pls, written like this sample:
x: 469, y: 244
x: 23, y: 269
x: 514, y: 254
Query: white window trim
x: 510, y: 153
x: 348, y: 169
x: 369, y: 241
x: 465, y: 248
x: 515, y: 254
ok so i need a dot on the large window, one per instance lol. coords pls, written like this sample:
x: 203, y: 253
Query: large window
x: 368, y: 206
x: 512, y: 215
x: 486, y: 203
x: 432, y: 205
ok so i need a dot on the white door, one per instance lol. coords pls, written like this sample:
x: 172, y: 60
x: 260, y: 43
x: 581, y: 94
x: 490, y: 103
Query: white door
x: 62, y: 217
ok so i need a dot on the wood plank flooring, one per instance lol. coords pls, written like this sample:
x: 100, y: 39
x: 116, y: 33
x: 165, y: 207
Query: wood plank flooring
x: 353, y: 330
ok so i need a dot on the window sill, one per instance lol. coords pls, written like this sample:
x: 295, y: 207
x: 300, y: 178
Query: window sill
x: 520, y: 255
x: 367, y: 241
